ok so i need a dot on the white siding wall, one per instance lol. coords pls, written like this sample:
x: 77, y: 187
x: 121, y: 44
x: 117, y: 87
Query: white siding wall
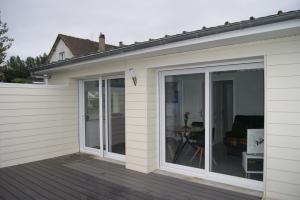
x: 37, y: 122
x: 283, y: 126
x: 61, y: 47
x: 282, y: 106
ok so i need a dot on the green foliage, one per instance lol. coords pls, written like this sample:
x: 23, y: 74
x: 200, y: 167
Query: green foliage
x: 5, y: 41
x: 20, y: 80
x: 17, y: 70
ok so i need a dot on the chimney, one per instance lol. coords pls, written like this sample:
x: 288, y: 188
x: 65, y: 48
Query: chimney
x: 101, y: 42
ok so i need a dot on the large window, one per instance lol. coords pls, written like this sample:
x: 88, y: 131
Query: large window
x: 213, y: 121
x: 237, y: 123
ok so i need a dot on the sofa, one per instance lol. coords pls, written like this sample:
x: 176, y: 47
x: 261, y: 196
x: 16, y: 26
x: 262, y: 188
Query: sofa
x: 236, y: 139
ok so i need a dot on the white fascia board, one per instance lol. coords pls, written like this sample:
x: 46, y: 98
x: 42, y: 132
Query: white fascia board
x: 275, y: 30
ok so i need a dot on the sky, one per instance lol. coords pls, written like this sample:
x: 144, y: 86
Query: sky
x: 34, y: 24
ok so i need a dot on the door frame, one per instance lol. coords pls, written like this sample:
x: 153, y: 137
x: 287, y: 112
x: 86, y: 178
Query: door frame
x: 106, y: 153
x: 196, y: 172
x: 98, y: 152
x: 81, y: 99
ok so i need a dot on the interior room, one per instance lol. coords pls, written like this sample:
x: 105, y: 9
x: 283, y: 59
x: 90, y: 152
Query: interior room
x: 237, y: 121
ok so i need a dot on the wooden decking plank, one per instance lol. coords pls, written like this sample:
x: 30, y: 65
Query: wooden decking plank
x: 161, y: 186
x: 141, y: 179
x: 20, y: 187
x: 143, y: 186
x: 79, y: 176
x: 185, y: 186
x: 223, y: 194
x: 46, y: 174
x: 9, y: 184
x: 69, y: 192
x: 68, y: 188
x: 132, y: 195
x: 96, y: 188
x: 46, y: 185
x: 33, y: 185
x: 5, y: 194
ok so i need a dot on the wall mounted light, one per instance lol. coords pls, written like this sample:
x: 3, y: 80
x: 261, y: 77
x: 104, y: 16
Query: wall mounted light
x: 133, y: 76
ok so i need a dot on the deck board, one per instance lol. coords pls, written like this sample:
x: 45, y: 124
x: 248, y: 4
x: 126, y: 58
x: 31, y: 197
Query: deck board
x: 80, y: 176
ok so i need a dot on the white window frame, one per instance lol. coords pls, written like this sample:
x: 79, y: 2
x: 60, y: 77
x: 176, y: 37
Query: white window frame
x: 196, y: 172
x: 61, y: 55
x: 99, y: 152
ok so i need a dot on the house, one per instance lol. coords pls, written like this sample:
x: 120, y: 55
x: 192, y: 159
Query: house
x: 220, y: 104
x: 66, y: 47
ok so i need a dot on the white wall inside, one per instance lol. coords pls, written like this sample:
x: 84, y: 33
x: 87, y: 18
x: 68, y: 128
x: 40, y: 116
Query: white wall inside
x: 248, y: 86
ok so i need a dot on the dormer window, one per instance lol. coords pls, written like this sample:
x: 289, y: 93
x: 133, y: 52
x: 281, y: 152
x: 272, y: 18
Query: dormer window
x: 61, y: 56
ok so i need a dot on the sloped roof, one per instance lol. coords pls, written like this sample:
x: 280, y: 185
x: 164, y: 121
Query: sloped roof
x: 79, y: 46
x: 227, y: 27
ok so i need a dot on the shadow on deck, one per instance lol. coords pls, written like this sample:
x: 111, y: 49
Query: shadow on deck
x: 79, y: 176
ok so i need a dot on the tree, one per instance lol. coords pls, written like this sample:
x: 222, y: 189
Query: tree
x: 17, y: 70
x: 5, y: 41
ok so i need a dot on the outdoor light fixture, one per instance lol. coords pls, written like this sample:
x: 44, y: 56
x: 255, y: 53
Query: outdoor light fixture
x: 133, y: 76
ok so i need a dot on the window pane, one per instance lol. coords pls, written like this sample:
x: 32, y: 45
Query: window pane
x: 237, y: 122
x: 116, y: 115
x: 184, y: 120
x: 91, y: 92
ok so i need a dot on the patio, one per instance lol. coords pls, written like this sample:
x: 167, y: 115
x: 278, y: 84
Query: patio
x: 80, y: 176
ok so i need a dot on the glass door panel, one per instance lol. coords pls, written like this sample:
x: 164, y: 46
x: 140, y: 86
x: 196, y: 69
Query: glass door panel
x: 184, y: 120
x: 116, y: 115
x: 91, y: 104
x: 237, y: 123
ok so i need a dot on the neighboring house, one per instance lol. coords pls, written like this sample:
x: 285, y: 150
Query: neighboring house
x: 220, y: 104
x: 66, y: 47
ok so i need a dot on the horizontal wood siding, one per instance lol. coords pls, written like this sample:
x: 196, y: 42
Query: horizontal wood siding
x: 283, y: 126
x: 136, y: 122
x: 37, y: 122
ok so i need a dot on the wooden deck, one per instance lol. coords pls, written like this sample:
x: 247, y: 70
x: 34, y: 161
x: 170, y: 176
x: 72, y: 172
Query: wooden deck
x: 79, y: 176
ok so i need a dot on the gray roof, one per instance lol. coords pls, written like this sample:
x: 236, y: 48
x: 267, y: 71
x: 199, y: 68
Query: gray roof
x: 252, y: 22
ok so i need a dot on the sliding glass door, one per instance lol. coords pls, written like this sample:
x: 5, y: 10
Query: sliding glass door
x: 212, y: 122
x: 103, y: 111
x: 237, y: 123
x: 184, y: 120
x: 115, y: 113
x: 91, y: 114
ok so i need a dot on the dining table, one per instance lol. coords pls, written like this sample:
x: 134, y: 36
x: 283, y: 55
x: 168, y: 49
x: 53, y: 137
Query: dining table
x: 183, y: 132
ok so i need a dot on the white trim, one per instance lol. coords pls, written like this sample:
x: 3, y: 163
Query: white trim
x: 84, y: 148
x: 115, y: 156
x: 207, y: 121
x: 81, y: 113
x: 101, y: 118
x: 265, y: 126
x: 263, y: 32
x: 106, y: 117
x: 218, y: 66
x: 197, y: 172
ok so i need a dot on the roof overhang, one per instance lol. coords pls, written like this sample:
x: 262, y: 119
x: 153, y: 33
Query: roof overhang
x: 256, y: 33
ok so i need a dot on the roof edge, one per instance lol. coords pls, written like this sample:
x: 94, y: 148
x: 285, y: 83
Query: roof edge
x: 227, y: 27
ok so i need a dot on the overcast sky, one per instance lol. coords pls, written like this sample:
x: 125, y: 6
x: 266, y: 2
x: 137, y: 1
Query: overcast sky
x: 34, y: 24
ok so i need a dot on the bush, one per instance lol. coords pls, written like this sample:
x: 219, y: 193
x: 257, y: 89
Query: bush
x: 19, y: 80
